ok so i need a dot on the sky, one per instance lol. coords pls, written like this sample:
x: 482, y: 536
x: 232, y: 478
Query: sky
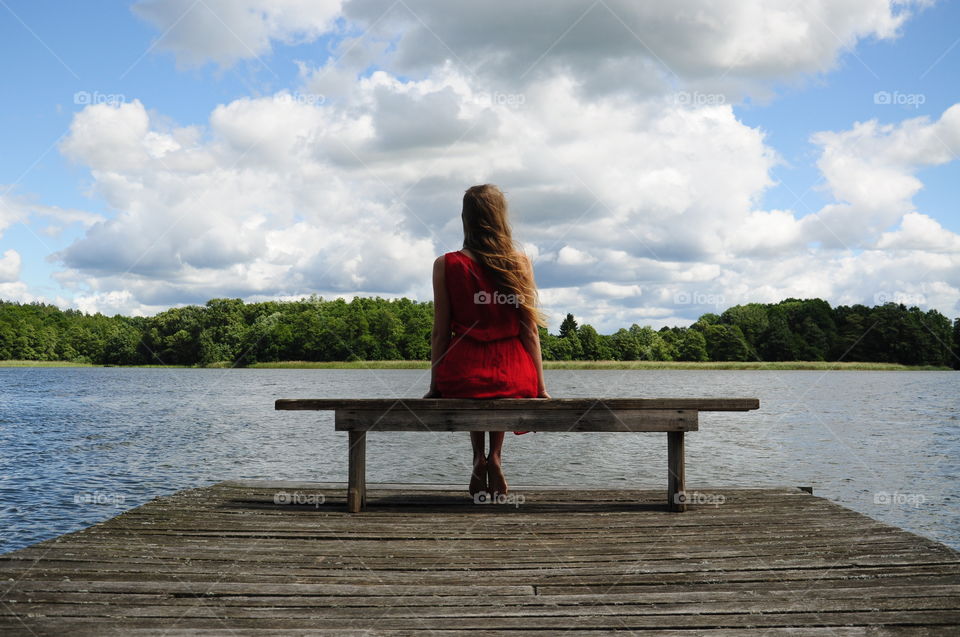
x: 661, y: 160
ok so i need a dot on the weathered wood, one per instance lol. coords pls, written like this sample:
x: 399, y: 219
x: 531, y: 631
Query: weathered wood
x: 672, y: 415
x: 676, y: 482
x: 598, y: 419
x: 357, y: 471
x: 197, y: 606
x: 232, y: 558
x: 437, y: 628
x: 575, y: 404
x: 254, y: 628
x: 322, y: 596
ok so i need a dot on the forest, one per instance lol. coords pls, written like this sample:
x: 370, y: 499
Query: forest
x: 315, y: 329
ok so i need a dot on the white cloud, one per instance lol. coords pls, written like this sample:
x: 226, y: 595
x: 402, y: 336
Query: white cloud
x: 727, y: 47
x: 637, y: 206
x: 285, y: 198
x: 17, y: 291
x: 9, y: 215
x: 510, y: 44
x: 571, y: 256
x: 920, y: 232
x: 251, y: 211
x: 225, y: 31
x: 871, y: 172
x: 16, y: 208
x: 110, y: 303
x: 11, y: 287
x: 10, y: 266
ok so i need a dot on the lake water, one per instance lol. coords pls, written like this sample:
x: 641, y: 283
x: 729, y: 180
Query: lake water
x: 79, y: 445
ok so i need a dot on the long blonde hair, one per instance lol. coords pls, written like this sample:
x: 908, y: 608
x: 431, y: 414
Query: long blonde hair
x: 486, y: 233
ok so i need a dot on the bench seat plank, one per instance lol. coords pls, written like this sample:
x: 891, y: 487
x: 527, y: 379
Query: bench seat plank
x: 599, y: 418
x: 575, y: 404
x: 672, y: 415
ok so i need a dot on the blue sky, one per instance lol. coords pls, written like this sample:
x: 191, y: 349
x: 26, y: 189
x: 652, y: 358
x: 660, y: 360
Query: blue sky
x: 924, y: 60
x: 101, y: 49
x: 62, y: 52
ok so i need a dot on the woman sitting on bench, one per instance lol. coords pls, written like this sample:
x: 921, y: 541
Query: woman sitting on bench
x: 485, y: 341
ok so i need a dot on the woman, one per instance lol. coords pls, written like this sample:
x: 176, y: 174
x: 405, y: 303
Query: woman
x: 485, y: 341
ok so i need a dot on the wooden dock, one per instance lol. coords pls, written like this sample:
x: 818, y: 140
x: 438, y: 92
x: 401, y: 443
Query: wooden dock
x: 280, y: 558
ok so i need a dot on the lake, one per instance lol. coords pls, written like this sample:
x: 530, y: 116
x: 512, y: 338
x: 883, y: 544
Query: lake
x: 80, y: 445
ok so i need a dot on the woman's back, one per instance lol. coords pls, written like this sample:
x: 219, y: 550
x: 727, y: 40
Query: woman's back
x: 477, y: 308
x: 485, y: 358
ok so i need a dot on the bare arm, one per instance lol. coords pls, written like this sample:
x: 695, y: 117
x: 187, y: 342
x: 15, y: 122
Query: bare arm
x: 440, y: 337
x: 530, y: 337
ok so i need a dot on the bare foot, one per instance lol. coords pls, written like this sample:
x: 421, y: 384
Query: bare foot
x: 478, y: 479
x: 495, y: 478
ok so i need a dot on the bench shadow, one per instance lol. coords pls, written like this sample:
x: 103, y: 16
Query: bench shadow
x: 515, y: 502
x: 452, y: 503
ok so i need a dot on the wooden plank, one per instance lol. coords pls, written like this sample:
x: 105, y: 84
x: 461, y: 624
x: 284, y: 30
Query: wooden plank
x: 450, y: 595
x: 250, y: 486
x: 209, y: 616
x: 309, y: 628
x: 775, y: 631
x: 676, y: 473
x: 538, y: 404
x: 317, y: 596
x: 306, y: 546
x: 597, y: 419
x: 357, y: 471
x: 529, y: 608
x: 840, y: 584
x: 227, y: 559
x: 87, y: 627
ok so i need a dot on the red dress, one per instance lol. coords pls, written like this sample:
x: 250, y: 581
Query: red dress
x: 485, y: 358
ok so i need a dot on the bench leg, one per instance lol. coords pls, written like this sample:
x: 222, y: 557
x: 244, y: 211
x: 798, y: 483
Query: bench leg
x: 676, y: 484
x: 357, y: 478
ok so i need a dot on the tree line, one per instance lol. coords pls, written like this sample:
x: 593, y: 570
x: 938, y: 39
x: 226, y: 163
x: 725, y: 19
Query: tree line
x: 315, y: 329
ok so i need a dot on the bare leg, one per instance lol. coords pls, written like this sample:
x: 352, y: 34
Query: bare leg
x: 478, y: 479
x: 477, y: 439
x: 496, y: 481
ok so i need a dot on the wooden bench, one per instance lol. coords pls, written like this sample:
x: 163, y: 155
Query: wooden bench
x: 672, y: 415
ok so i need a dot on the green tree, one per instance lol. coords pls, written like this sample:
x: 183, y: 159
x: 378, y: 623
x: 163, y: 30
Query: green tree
x: 725, y: 343
x: 955, y: 347
x: 371, y: 328
x: 594, y: 346
x: 692, y: 346
x: 624, y: 346
x: 568, y: 326
x: 652, y: 345
x: 752, y: 321
x: 778, y: 341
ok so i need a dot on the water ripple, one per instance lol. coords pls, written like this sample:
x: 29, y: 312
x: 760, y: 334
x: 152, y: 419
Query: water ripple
x: 80, y: 445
